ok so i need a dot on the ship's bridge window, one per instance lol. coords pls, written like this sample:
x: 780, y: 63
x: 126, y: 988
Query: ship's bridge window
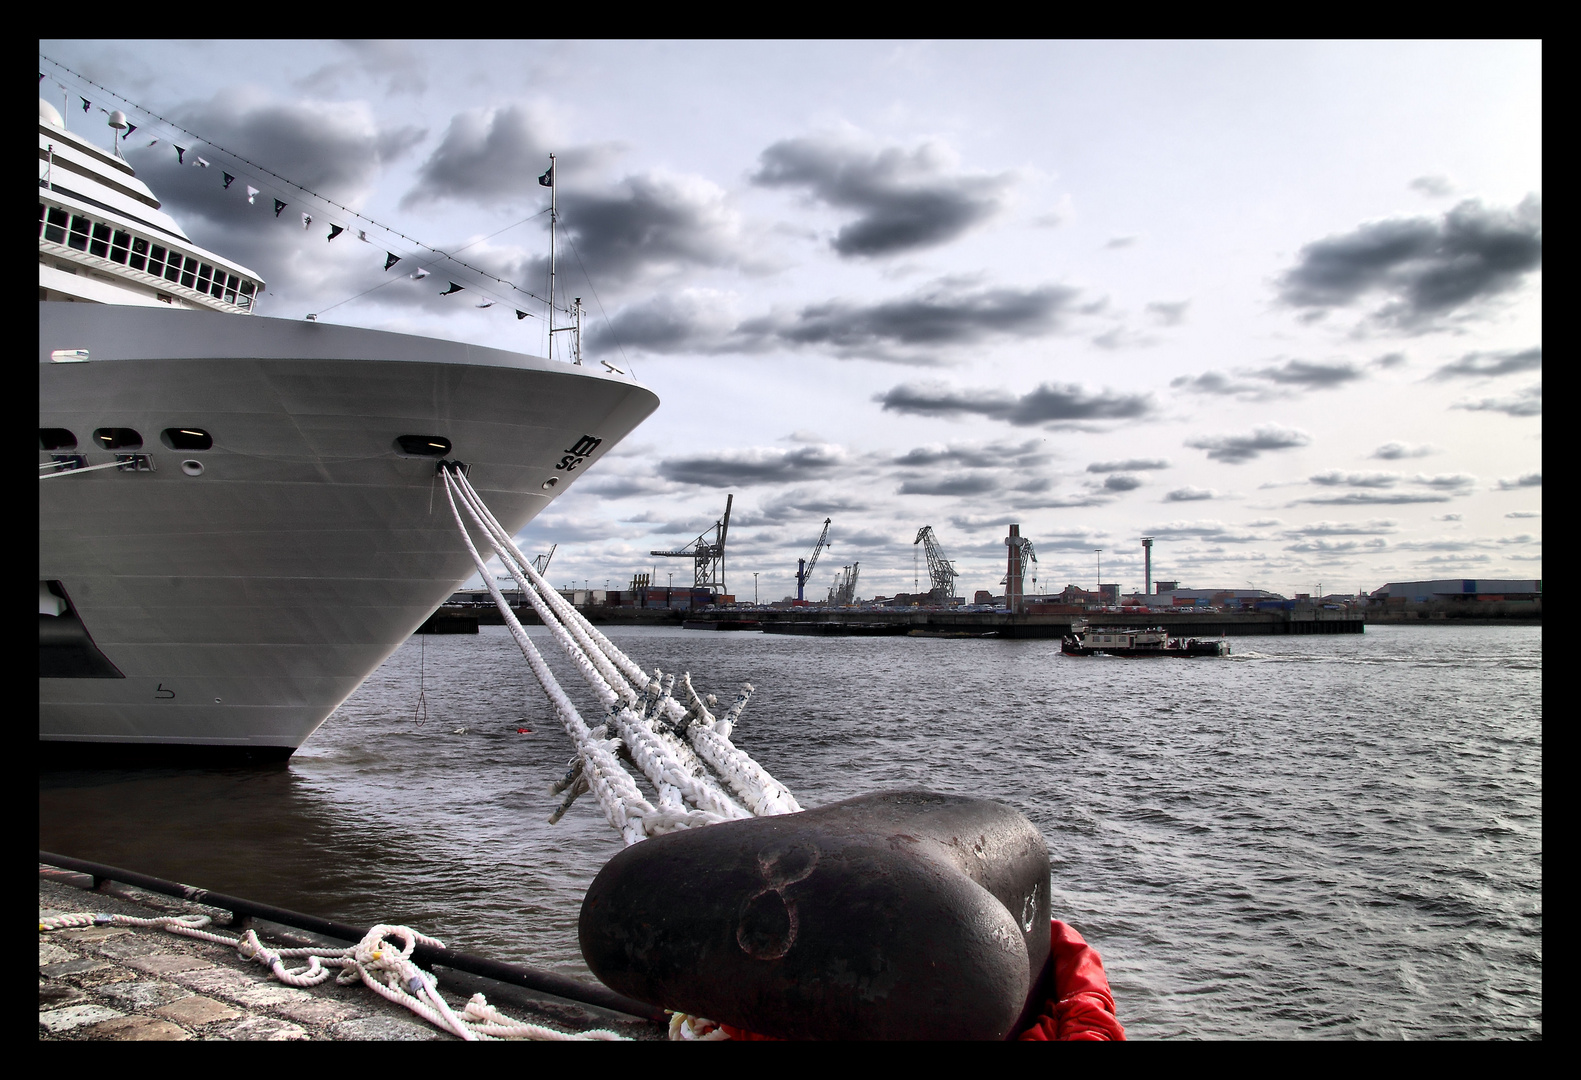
x: 189, y: 273
x: 246, y: 298
x: 120, y: 246
x: 56, y: 438
x: 80, y: 228
x: 422, y: 446
x: 186, y: 438
x: 118, y: 438
x: 55, y: 226
x: 100, y: 244
x: 139, y: 258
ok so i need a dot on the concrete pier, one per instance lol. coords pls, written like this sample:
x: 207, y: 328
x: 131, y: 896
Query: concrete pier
x: 114, y: 983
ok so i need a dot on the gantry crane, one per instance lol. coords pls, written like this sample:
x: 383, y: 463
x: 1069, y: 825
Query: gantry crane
x: 804, y: 566
x: 708, y: 558
x: 941, y: 572
x: 843, y: 592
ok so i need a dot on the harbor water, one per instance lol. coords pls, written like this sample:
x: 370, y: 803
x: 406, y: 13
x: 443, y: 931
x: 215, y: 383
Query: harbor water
x: 1333, y: 837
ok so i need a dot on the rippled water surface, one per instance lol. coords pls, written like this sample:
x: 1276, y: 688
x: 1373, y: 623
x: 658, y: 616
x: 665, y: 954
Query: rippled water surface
x: 1316, y: 837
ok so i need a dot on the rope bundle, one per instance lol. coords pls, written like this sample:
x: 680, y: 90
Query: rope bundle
x: 699, y: 775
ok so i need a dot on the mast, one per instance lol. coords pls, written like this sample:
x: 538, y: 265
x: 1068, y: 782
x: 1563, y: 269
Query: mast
x: 554, y: 215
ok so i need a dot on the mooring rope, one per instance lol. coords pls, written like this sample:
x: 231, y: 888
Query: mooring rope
x: 383, y: 967
x: 684, y: 751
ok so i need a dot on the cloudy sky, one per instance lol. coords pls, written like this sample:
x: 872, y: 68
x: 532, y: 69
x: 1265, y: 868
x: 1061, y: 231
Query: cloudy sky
x: 1277, y: 305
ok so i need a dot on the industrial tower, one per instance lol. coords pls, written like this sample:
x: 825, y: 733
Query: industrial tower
x: 843, y: 592
x: 1021, y: 556
x: 941, y: 572
x: 708, y: 558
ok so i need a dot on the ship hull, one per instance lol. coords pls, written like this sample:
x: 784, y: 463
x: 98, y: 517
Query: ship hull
x: 238, y: 607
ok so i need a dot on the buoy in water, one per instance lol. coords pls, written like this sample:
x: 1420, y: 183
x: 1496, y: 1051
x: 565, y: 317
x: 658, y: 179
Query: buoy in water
x: 900, y: 915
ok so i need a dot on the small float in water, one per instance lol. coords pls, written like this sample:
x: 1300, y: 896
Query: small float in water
x: 1127, y: 641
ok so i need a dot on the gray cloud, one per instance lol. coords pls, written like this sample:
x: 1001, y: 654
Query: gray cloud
x: 1434, y: 187
x: 1394, y: 451
x: 1524, y: 514
x: 1117, y: 242
x: 992, y: 455
x: 950, y: 484
x: 1167, y: 314
x: 1477, y: 364
x: 1374, y: 498
x: 1190, y: 494
x: 492, y: 155
x: 1274, y: 381
x: 1128, y: 465
x: 1529, y: 480
x: 740, y: 468
x: 1121, y: 482
x: 1528, y: 402
x: 1425, y: 269
x: 905, y: 200
x: 1237, y: 449
x: 1346, y: 528
x: 1371, y: 480
x: 1048, y: 404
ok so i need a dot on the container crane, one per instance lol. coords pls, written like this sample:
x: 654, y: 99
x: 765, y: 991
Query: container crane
x: 708, y: 558
x: 804, y: 566
x: 941, y: 572
x: 843, y: 592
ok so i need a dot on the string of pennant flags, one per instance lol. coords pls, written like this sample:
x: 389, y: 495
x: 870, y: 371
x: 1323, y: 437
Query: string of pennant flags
x: 335, y: 230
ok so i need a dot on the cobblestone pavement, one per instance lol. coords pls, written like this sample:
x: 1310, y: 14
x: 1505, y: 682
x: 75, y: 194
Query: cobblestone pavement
x: 122, y: 983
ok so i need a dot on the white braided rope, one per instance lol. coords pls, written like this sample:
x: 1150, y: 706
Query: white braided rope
x: 746, y: 779
x: 384, y: 968
x: 647, y: 748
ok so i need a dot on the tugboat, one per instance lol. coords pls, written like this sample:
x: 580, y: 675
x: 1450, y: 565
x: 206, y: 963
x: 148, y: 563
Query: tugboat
x: 1126, y: 641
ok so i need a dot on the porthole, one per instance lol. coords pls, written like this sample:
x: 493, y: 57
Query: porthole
x: 422, y: 446
x: 549, y: 484
x: 118, y: 438
x: 186, y: 438
x: 192, y: 467
x: 56, y: 438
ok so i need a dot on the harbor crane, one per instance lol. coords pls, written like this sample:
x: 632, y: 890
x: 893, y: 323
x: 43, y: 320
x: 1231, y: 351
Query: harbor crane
x: 843, y: 592
x: 941, y: 572
x: 804, y: 566
x: 708, y: 558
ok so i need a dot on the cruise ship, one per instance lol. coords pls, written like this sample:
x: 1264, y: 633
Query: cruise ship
x: 240, y: 517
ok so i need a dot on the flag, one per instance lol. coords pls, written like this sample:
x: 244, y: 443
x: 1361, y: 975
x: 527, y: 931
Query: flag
x: 278, y: 206
x: 251, y: 193
x: 129, y: 129
x: 201, y: 162
x: 547, y: 179
x: 485, y: 303
x: 180, y: 151
x: 335, y: 230
x: 228, y: 180
x: 85, y: 103
x: 362, y: 234
x: 454, y: 288
x: 307, y: 219
x: 520, y: 315
x: 390, y: 259
x: 420, y: 274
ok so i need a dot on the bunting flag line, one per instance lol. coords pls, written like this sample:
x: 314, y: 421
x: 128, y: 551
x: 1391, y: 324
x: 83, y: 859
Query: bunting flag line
x: 454, y: 288
x: 335, y: 230
x: 363, y: 236
x: 520, y: 315
x: 390, y: 258
x: 129, y: 129
x: 85, y: 103
x: 420, y: 275
x: 484, y: 304
x: 201, y: 162
x: 307, y: 219
x: 181, y: 155
x: 229, y: 179
x: 252, y: 192
x: 278, y: 206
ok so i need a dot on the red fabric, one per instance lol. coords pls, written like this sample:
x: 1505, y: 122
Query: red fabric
x: 1080, y: 1006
